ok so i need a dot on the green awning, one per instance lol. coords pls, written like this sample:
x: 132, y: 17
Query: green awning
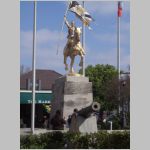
x: 41, y: 98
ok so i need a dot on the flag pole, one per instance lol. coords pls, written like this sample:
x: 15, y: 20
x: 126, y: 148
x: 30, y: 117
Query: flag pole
x: 83, y: 45
x: 118, y: 55
x: 33, y: 72
x: 63, y: 23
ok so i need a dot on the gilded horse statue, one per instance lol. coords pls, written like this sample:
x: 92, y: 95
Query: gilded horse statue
x: 73, y: 46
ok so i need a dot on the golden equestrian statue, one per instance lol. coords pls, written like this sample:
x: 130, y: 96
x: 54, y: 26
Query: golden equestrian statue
x: 73, y: 46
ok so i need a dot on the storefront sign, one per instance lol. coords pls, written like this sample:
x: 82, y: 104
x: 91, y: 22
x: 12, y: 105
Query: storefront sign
x: 41, y: 98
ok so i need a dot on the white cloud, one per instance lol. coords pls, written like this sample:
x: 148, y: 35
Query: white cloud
x: 108, y: 57
x: 45, y: 35
x: 47, y: 42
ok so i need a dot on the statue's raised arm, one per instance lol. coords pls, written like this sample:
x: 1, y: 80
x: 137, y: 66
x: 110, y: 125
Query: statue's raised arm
x: 66, y: 22
x: 71, y: 28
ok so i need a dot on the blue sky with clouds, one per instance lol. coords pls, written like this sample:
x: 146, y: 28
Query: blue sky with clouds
x: 101, y: 42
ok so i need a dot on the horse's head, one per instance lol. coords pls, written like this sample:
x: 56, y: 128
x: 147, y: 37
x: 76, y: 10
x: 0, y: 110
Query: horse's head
x: 78, y: 30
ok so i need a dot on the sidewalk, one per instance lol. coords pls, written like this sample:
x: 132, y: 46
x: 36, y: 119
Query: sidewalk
x: 27, y: 131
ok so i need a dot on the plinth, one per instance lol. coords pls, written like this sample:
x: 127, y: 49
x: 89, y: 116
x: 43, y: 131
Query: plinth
x: 72, y: 92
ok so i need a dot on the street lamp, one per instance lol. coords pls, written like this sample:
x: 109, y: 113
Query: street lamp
x: 110, y: 125
x: 109, y: 122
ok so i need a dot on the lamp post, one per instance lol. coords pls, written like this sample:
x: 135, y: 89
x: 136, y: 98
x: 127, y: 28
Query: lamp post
x: 110, y: 125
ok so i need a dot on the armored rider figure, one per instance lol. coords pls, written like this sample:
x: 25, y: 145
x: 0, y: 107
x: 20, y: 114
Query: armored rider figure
x: 71, y: 32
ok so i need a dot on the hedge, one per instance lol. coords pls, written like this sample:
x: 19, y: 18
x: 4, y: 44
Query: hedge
x: 59, y: 140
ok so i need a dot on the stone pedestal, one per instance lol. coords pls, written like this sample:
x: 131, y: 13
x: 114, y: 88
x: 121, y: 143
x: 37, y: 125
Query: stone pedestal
x: 72, y: 92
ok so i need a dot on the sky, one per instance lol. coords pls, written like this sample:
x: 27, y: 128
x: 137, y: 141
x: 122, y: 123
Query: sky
x: 100, y: 42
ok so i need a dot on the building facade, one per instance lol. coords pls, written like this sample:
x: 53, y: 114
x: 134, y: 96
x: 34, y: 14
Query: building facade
x: 43, y: 96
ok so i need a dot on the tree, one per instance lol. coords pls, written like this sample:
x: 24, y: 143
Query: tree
x: 125, y: 101
x: 105, y: 83
x: 111, y: 92
x: 100, y: 76
x: 112, y: 95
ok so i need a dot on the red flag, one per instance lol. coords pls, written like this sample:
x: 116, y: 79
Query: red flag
x: 119, y: 9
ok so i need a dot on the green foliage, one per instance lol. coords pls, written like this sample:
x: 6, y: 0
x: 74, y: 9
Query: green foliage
x: 116, y: 123
x: 100, y: 76
x: 128, y: 120
x: 32, y: 142
x: 106, y: 125
x: 121, y: 138
x: 58, y: 140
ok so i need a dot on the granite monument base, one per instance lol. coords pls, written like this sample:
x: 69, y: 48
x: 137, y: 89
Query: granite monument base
x: 72, y: 92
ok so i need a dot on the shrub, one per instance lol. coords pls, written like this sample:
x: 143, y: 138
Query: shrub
x: 32, y: 142
x: 58, y: 140
x: 120, y: 140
